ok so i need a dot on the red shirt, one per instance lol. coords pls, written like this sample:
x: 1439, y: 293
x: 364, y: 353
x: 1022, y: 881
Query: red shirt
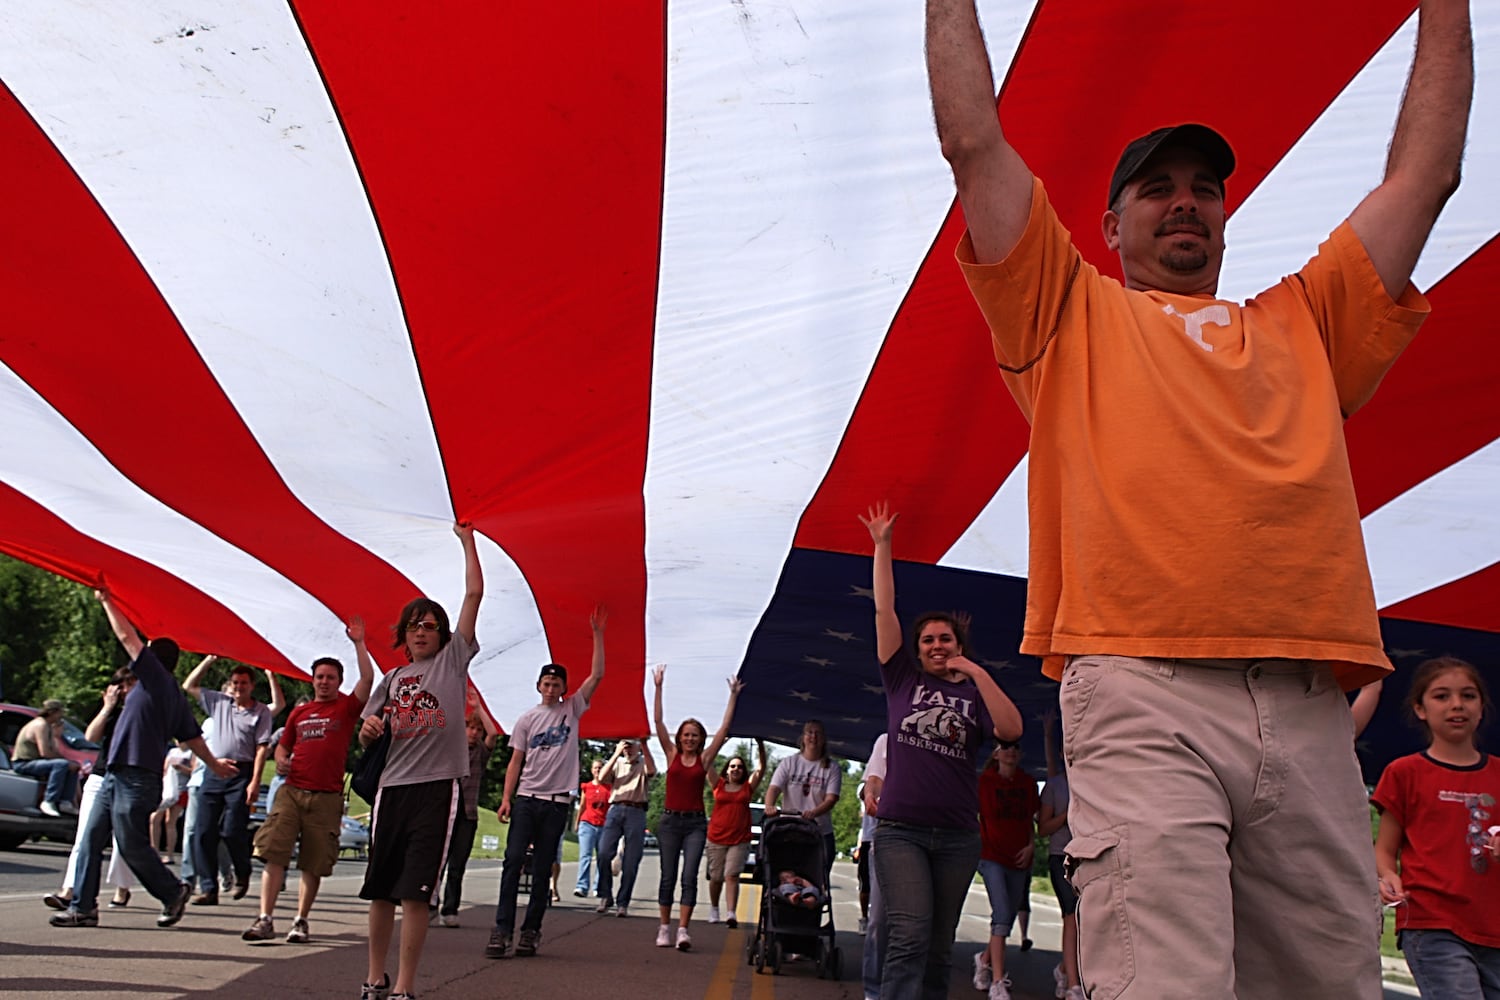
x: 1435, y: 805
x: 730, y: 823
x: 317, y: 736
x: 595, y: 803
x: 685, y: 786
x: 1007, y: 807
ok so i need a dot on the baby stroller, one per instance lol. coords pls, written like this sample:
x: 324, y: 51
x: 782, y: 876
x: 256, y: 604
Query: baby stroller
x: 789, y: 842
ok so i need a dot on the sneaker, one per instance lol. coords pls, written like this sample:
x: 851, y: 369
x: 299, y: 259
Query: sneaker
x: 620, y: 910
x: 684, y: 943
x: 1059, y: 982
x: 75, y: 918
x: 1075, y: 993
x: 68, y: 809
x: 48, y: 809
x: 864, y: 925
x: 263, y: 929
x: 983, y: 978
x: 604, y: 906
x: 56, y: 901
x: 299, y: 933
x: 449, y: 920
x: 376, y: 991
x: 1000, y: 989
x: 240, y: 888
x: 210, y: 898
x: 403, y: 996
x: 1026, y: 943
x: 226, y: 882
x: 664, y: 936
x: 713, y: 914
x: 581, y: 893
x: 499, y: 945
x: 121, y: 900
x: 172, y: 912
x: 730, y: 922
x: 526, y: 947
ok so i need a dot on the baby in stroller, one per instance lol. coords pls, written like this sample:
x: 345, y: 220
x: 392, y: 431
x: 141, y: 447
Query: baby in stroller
x: 798, y: 891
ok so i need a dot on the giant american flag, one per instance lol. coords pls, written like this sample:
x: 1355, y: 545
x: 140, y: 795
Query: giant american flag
x: 658, y: 296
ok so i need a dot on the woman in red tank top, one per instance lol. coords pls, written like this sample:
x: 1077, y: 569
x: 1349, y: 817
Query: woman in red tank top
x: 684, y: 825
x: 729, y: 833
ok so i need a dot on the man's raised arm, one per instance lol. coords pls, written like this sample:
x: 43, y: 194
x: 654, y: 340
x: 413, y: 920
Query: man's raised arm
x: 994, y: 183
x: 1426, y: 156
x: 124, y: 631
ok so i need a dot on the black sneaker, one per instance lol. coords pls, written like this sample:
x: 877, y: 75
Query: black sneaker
x: 75, y: 918
x: 499, y: 945
x: 172, y: 912
x: 376, y: 991
x: 526, y: 947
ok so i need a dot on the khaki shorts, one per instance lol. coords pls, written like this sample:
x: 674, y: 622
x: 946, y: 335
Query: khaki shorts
x: 1221, y: 834
x: 312, y: 817
x: 726, y: 857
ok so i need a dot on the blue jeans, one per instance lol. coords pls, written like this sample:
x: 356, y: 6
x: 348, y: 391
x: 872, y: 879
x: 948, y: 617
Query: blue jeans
x: 682, y: 837
x: 875, y: 934
x: 1006, y: 887
x: 1445, y: 965
x: 924, y: 875
x: 189, y: 827
x: 629, y: 823
x: 62, y: 780
x: 460, y: 846
x: 539, y: 824
x: 588, y: 837
x: 223, y: 816
x: 126, y: 800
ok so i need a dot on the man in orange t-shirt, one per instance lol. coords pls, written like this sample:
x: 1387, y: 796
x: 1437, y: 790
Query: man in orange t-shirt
x: 1197, y: 576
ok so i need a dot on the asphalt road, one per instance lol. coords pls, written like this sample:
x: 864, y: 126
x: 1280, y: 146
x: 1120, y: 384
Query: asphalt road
x: 581, y: 950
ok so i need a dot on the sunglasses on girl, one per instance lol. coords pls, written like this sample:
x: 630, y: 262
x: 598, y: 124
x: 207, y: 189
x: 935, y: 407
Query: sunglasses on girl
x: 421, y: 626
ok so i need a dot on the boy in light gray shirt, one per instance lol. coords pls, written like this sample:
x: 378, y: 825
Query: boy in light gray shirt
x: 539, y: 786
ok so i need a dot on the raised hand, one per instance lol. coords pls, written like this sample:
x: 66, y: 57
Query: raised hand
x: 658, y: 673
x: 879, y: 521
x: 355, y: 629
x: 735, y: 687
x: 464, y: 530
x: 598, y: 617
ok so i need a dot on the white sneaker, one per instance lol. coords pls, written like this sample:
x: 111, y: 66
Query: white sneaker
x: 48, y: 809
x: 713, y: 914
x: 982, y: 975
x: 1075, y: 993
x: 664, y: 936
x: 448, y: 919
x: 1059, y: 982
x: 684, y: 943
x: 864, y: 925
x: 1000, y: 989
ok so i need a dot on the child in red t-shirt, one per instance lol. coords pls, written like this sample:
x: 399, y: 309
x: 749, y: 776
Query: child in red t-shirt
x: 1438, y: 850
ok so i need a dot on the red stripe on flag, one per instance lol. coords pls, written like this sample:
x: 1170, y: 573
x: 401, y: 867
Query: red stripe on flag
x: 87, y: 329
x: 1437, y: 405
x: 155, y: 601
x: 514, y: 158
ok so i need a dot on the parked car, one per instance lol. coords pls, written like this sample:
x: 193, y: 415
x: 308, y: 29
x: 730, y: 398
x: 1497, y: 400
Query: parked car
x: 649, y: 841
x: 757, y: 816
x: 75, y: 746
x: 20, y: 819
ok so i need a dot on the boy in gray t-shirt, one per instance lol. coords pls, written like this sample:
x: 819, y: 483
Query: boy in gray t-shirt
x: 539, y: 786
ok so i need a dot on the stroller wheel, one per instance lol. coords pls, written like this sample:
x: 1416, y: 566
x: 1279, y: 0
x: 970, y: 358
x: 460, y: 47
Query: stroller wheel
x: 835, y: 965
x: 751, y: 952
x: 774, y: 959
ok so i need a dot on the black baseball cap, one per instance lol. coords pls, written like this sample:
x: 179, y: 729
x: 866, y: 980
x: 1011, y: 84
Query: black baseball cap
x: 1201, y: 138
x: 554, y: 670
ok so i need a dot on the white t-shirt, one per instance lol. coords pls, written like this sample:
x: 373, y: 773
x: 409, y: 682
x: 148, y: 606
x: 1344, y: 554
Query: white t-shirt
x: 805, y: 783
x: 548, y: 736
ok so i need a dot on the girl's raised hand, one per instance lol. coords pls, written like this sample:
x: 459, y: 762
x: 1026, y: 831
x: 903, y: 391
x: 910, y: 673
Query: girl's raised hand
x: 598, y: 617
x: 879, y: 521
x: 735, y: 686
x: 658, y: 672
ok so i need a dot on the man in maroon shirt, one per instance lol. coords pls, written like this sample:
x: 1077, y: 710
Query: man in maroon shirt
x: 310, y: 806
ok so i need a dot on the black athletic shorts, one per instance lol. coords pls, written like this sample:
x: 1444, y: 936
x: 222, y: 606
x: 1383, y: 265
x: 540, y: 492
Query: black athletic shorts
x: 408, y: 837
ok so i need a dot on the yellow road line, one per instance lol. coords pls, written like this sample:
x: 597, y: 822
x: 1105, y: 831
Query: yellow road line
x: 732, y: 958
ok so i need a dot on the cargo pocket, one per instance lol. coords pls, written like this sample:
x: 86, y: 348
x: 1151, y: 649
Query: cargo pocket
x: 1096, y: 868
